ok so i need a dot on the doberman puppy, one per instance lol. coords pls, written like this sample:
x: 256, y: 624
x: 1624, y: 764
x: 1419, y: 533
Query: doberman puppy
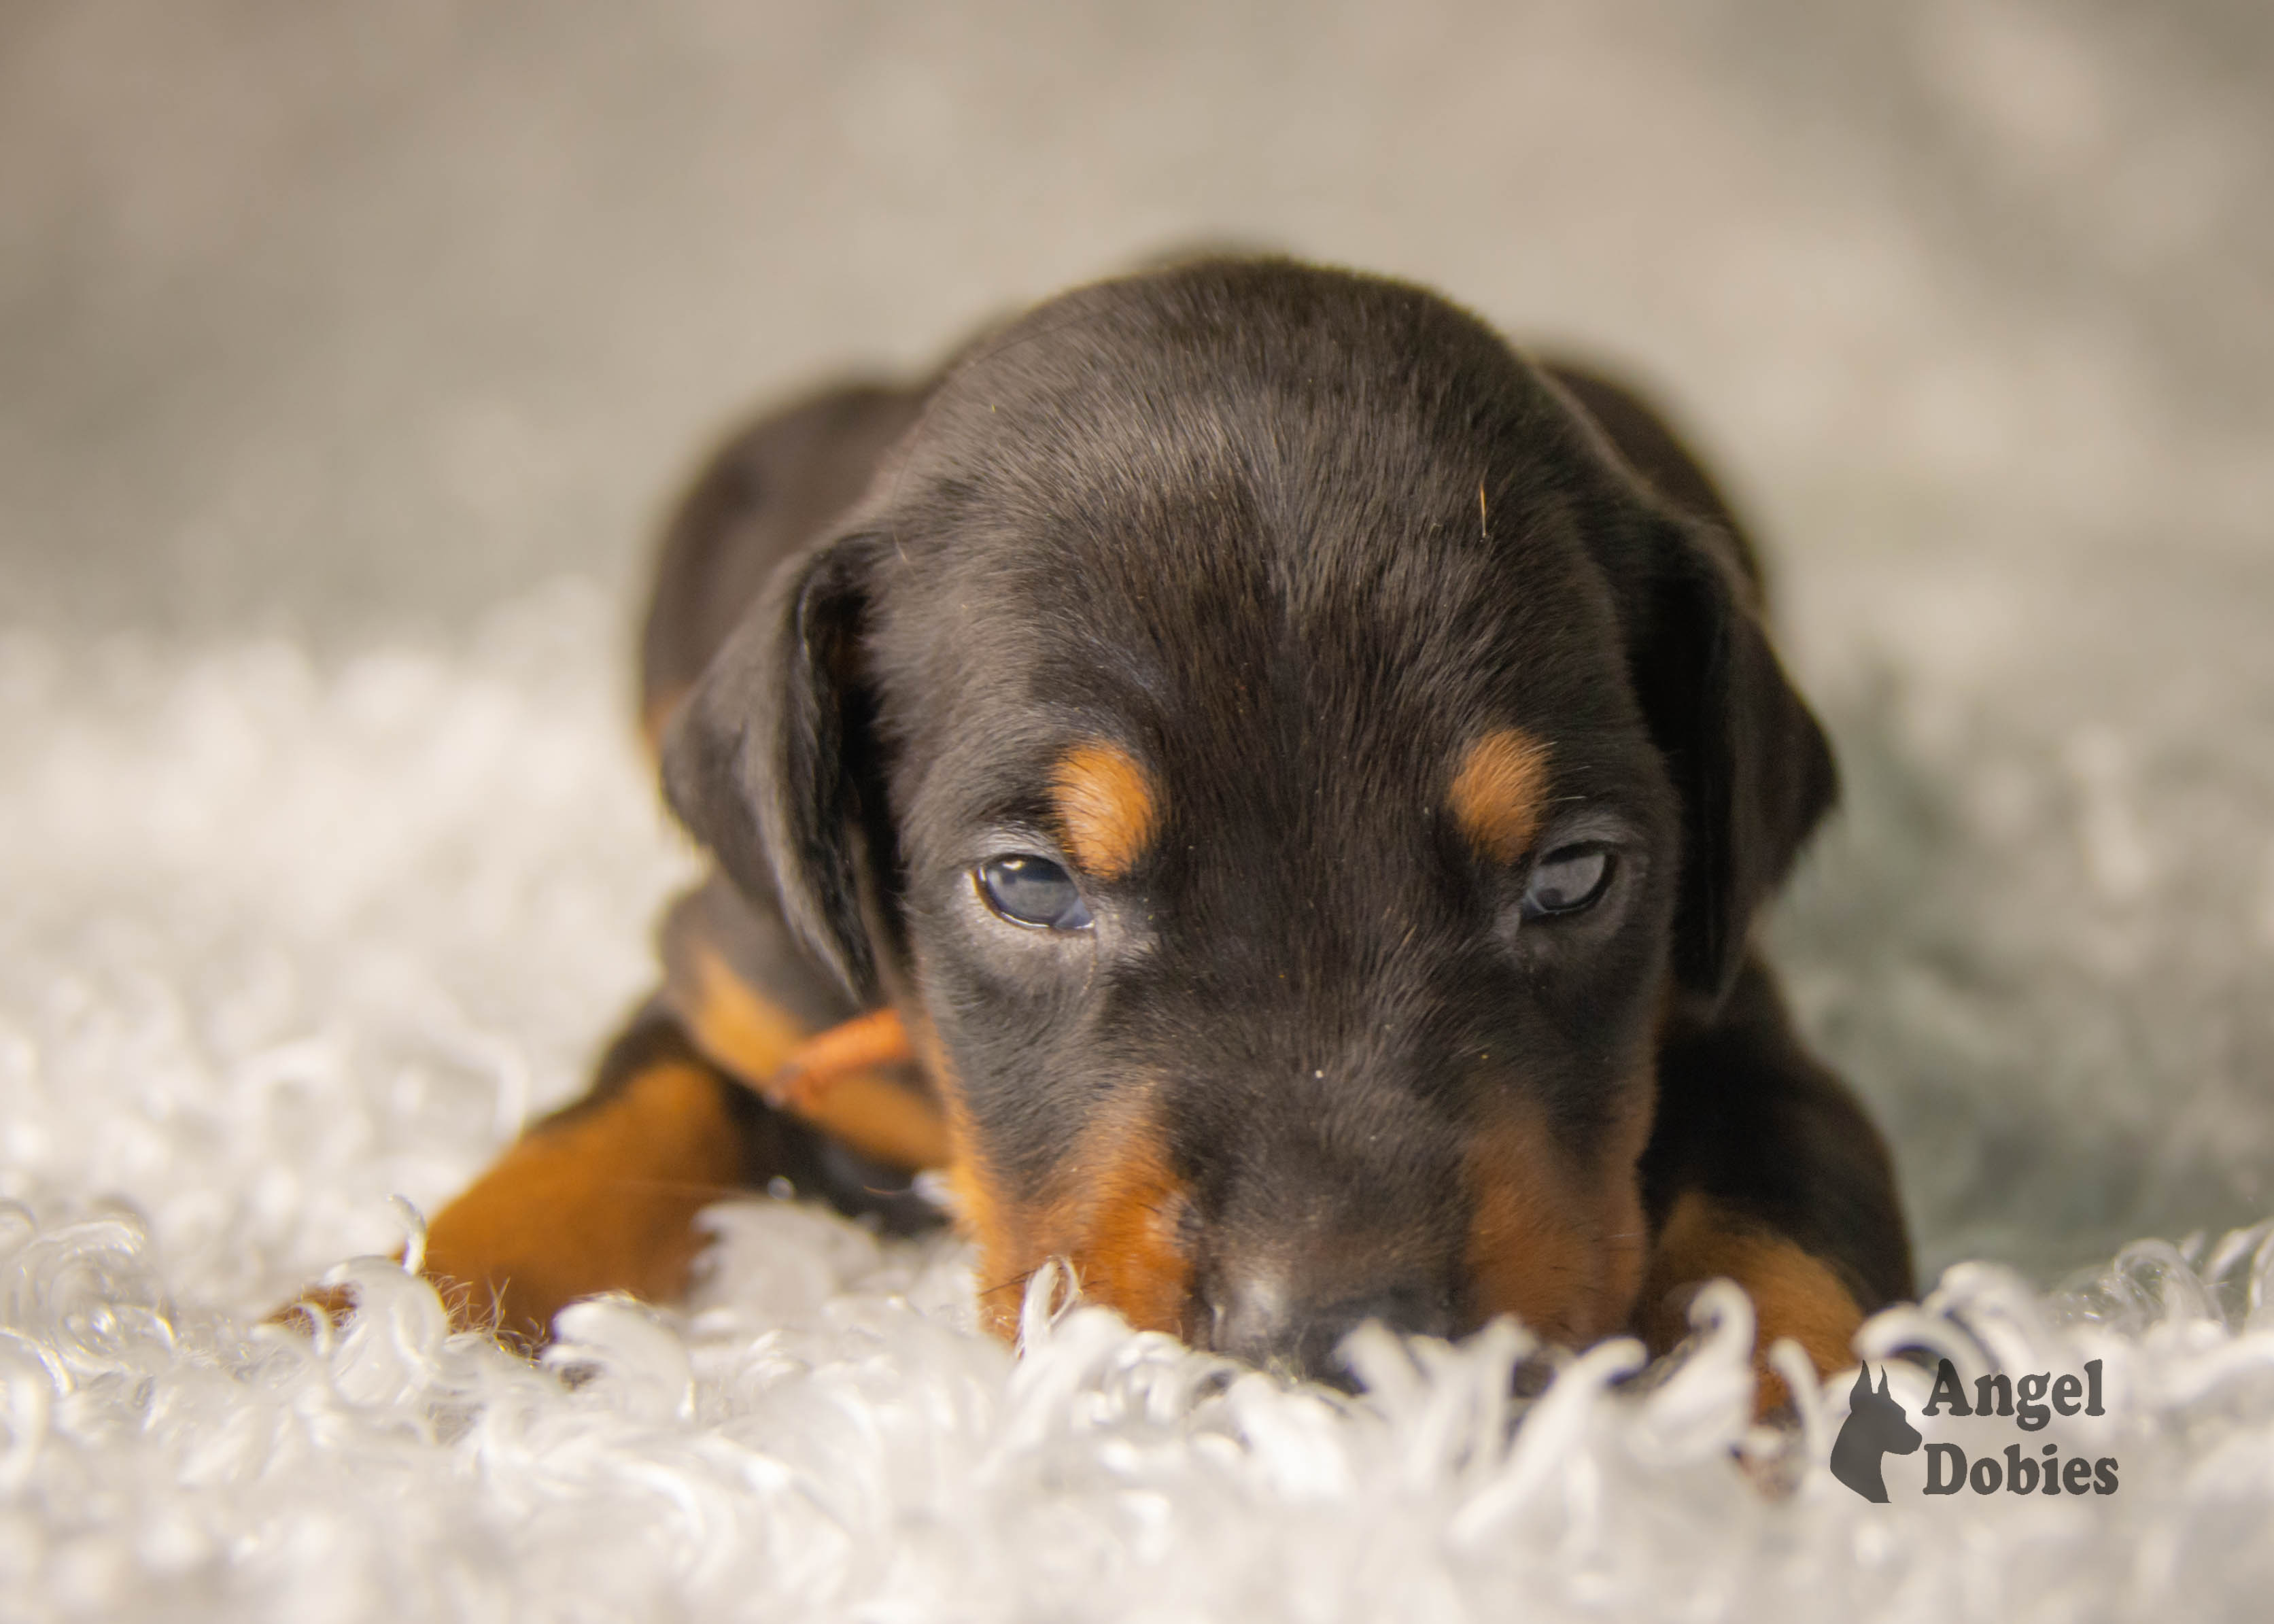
x: 1267, y: 788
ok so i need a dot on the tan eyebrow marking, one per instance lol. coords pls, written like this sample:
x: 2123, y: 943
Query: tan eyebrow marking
x: 1107, y: 808
x: 1499, y: 793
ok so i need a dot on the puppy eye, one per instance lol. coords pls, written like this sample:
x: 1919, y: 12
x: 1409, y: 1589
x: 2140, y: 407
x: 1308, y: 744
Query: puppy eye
x: 1032, y: 891
x: 1567, y: 880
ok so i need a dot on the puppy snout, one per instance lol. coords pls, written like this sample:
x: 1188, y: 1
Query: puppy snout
x: 1259, y: 1320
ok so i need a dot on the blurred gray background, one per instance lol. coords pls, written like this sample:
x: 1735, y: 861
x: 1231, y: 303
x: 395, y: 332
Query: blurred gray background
x: 368, y: 310
x: 351, y: 320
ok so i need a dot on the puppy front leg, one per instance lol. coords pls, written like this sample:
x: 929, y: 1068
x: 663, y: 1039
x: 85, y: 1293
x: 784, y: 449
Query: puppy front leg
x: 688, y: 1105
x: 602, y: 1195
x: 1762, y: 1168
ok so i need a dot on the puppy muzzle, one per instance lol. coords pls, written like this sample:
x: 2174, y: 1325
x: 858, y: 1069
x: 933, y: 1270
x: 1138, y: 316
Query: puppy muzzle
x: 1257, y: 1317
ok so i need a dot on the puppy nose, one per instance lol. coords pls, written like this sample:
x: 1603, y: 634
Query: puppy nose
x: 1258, y: 1319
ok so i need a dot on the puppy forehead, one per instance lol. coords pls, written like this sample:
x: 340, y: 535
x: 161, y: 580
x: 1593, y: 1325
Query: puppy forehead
x: 1107, y: 692
x: 1257, y: 585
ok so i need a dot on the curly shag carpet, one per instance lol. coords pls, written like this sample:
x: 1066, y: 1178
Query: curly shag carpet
x: 293, y: 945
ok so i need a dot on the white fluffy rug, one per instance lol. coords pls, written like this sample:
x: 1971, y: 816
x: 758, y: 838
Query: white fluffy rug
x: 282, y: 942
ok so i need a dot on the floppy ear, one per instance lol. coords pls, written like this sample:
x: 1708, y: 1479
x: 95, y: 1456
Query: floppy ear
x: 764, y: 761
x: 1753, y: 769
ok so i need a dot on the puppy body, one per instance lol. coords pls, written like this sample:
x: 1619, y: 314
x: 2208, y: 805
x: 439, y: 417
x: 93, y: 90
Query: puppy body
x: 1303, y: 778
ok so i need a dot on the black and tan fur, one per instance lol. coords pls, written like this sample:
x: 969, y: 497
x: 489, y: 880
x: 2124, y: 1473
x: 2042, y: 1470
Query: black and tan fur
x: 1295, y: 615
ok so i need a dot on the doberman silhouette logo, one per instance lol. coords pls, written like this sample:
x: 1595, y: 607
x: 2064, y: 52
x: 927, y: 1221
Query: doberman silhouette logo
x: 1876, y: 1427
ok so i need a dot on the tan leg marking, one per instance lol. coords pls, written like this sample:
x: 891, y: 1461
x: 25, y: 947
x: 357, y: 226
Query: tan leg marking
x: 603, y: 1199
x: 1499, y: 793
x: 1794, y: 1294
x: 828, y: 1079
x: 1107, y: 808
x: 875, y: 1038
x: 732, y: 1023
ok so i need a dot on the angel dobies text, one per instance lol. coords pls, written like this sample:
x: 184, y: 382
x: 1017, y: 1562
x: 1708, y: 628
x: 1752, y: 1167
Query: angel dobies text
x: 2041, y: 1397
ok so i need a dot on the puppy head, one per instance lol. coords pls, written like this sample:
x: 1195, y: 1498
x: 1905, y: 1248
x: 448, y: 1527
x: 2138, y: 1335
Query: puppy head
x: 1281, y: 765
